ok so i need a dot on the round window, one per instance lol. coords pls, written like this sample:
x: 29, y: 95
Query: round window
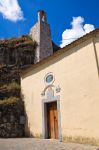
x: 49, y: 78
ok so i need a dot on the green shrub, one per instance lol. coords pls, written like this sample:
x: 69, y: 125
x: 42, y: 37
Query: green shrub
x: 13, y: 86
x: 10, y: 100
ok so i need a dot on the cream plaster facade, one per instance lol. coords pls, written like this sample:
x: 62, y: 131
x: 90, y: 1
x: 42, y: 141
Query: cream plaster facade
x: 76, y: 73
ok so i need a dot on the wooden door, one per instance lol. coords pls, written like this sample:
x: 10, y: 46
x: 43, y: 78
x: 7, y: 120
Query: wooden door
x: 52, y: 120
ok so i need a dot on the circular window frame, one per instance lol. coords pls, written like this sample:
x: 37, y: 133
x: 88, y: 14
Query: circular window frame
x: 46, y: 76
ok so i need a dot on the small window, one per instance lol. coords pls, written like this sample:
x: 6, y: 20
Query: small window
x: 43, y: 20
x: 49, y: 78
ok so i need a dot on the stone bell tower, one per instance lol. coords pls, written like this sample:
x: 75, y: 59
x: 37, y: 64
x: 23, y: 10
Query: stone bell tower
x: 41, y: 33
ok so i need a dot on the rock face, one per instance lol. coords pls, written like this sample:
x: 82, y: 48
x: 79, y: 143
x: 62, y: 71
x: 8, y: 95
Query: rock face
x: 12, y: 120
x: 12, y: 114
x: 24, y: 51
x: 9, y: 74
x: 17, y: 51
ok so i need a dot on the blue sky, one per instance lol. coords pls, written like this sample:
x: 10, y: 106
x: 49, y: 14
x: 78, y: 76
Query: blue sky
x: 60, y: 14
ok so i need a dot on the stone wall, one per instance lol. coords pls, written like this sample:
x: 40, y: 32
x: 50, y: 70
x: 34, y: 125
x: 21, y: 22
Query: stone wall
x: 24, y: 51
x: 41, y: 33
x: 8, y: 75
x: 12, y: 120
x: 45, y: 40
x: 17, y: 51
x: 12, y: 116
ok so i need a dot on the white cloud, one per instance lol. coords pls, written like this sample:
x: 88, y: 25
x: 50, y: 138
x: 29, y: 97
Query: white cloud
x: 78, y: 30
x: 11, y: 10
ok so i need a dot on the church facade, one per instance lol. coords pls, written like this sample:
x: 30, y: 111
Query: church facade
x: 61, y: 91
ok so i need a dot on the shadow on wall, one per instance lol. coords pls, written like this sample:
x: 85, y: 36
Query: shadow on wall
x: 11, y: 119
x: 27, y: 128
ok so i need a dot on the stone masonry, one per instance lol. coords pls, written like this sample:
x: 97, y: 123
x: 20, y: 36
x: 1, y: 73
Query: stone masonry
x: 12, y: 113
x: 41, y: 33
x: 12, y: 120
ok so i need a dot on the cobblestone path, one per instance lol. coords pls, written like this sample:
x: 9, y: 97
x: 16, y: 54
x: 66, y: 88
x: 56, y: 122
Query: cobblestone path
x: 38, y: 144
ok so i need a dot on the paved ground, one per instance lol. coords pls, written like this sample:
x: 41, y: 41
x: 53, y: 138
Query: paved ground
x: 37, y: 144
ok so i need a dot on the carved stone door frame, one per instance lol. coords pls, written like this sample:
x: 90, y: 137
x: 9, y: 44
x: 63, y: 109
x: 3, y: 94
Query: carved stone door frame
x: 44, y: 116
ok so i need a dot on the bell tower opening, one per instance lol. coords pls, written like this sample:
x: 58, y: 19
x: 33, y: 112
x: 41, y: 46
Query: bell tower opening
x: 42, y: 16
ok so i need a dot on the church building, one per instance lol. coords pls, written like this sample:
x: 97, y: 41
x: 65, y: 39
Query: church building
x: 61, y: 89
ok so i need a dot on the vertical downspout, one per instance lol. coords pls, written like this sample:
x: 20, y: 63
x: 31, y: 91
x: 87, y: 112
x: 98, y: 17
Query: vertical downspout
x: 96, y: 56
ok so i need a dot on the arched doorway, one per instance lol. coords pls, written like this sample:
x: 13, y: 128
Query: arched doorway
x: 51, y: 119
